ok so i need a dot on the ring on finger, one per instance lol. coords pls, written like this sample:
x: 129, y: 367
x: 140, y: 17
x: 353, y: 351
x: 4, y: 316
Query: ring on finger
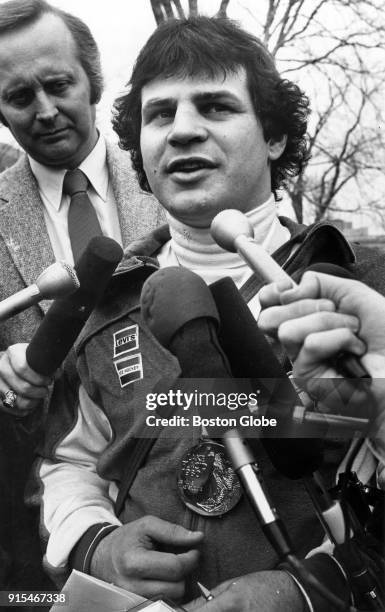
x: 9, y: 399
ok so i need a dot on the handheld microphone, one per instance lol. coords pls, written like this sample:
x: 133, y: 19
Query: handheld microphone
x: 248, y: 472
x: 54, y: 282
x: 251, y: 356
x: 245, y: 466
x: 66, y: 317
x: 233, y: 232
x: 180, y: 311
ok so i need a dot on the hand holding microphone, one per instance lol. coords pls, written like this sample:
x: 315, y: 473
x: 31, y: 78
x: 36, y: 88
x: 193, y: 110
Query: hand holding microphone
x: 233, y: 232
x: 20, y: 386
x: 320, y: 318
x: 66, y: 317
x: 349, y: 304
x: 56, y: 281
x: 26, y: 370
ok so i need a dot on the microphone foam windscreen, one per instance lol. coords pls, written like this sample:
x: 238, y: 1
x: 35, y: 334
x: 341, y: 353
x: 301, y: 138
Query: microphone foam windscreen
x: 173, y: 296
x: 66, y: 317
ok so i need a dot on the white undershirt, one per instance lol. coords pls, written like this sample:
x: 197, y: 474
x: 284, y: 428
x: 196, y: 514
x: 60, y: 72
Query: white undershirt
x: 56, y: 204
x: 195, y: 249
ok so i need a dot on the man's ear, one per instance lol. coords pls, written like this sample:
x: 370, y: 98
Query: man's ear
x: 277, y: 147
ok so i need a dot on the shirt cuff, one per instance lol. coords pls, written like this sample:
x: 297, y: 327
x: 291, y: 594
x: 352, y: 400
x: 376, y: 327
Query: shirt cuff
x: 325, y: 568
x: 81, y: 555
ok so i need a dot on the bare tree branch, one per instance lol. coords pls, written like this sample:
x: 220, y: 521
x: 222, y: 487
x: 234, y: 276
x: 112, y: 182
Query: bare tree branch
x: 193, y: 8
x: 223, y: 8
x: 166, y: 9
x: 171, y: 9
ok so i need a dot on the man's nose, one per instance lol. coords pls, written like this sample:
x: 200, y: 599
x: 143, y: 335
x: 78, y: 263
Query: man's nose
x: 46, y: 109
x: 187, y: 126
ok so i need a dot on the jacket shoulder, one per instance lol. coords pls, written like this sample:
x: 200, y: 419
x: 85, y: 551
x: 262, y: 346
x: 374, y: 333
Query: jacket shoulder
x: 16, y: 177
x: 370, y: 267
x: 119, y: 163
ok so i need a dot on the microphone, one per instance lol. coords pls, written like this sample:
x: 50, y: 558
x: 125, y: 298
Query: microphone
x: 250, y: 353
x: 233, y: 232
x: 245, y: 466
x: 181, y: 313
x: 250, y: 356
x: 54, y: 282
x: 247, y: 469
x: 66, y: 317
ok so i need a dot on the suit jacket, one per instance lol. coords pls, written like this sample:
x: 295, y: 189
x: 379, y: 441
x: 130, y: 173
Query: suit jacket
x: 25, y: 248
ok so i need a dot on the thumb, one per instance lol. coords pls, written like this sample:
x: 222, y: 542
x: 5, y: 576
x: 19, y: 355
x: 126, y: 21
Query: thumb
x: 165, y: 532
x: 318, y: 285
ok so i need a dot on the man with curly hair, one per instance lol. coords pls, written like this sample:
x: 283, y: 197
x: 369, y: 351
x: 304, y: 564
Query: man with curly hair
x: 210, y: 125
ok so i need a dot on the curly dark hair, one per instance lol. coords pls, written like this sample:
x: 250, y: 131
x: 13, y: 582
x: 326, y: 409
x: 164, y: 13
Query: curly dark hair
x: 17, y: 14
x: 209, y: 46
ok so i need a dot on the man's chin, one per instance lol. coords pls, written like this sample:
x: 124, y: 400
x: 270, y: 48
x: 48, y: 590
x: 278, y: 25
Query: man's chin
x: 58, y: 157
x: 196, y: 219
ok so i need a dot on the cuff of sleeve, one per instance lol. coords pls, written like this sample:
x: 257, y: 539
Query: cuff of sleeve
x: 328, y: 572
x: 81, y: 555
x: 303, y: 592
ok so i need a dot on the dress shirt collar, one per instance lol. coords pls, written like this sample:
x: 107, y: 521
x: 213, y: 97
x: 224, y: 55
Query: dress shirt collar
x: 94, y: 166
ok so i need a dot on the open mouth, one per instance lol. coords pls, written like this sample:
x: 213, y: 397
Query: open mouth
x: 189, y: 165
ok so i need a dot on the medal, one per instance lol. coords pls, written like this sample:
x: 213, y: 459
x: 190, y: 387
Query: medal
x: 207, y: 482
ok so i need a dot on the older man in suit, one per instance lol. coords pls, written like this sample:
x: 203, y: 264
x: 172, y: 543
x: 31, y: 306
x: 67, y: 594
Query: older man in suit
x: 50, y: 83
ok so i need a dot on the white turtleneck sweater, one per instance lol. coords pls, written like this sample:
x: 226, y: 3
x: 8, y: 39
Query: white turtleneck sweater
x: 195, y: 249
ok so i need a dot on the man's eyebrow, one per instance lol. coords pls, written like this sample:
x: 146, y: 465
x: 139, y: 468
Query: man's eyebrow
x: 203, y: 96
x: 157, y: 102
x: 21, y: 84
x: 200, y: 96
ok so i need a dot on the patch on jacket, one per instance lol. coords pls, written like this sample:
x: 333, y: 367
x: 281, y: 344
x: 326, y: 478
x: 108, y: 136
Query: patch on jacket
x: 126, y: 340
x: 129, y: 369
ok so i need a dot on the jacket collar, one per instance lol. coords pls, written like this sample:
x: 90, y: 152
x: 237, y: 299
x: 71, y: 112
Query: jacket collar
x: 320, y: 241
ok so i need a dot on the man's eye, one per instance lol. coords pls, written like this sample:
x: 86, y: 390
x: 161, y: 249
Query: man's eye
x: 159, y: 116
x: 21, y: 98
x: 214, y: 108
x: 57, y: 87
x: 164, y: 113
